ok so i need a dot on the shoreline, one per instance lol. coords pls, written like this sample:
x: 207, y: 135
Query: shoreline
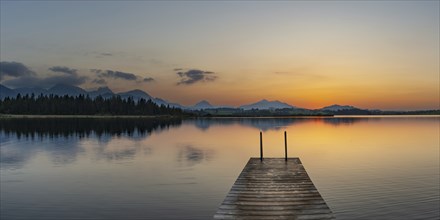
x: 4, y: 116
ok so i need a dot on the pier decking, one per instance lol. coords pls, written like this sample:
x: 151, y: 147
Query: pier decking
x: 273, y: 189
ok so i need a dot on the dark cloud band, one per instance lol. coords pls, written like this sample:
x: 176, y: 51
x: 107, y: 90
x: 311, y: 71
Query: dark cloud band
x: 119, y: 75
x: 99, y: 81
x: 63, y: 69
x: 148, y: 79
x: 14, y: 69
x: 45, y: 82
x: 192, y: 76
x: 22, y: 76
x: 18, y: 75
x: 115, y: 74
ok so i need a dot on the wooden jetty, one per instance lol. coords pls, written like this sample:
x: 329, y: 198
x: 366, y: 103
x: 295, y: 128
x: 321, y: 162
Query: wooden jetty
x: 273, y: 188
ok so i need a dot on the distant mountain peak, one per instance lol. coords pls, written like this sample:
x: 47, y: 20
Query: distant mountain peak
x: 202, y: 105
x: 104, y: 89
x: 4, y: 87
x: 136, y: 94
x: 345, y: 106
x: 65, y: 89
x: 203, y: 102
x: 336, y: 107
x: 266, y: 104
x: 104, y: 92
x: 135, y: 91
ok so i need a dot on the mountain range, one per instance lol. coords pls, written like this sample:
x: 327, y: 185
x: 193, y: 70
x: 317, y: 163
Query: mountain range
x: 105, y: 92
x: 334, y: 108
x: 265, y: 104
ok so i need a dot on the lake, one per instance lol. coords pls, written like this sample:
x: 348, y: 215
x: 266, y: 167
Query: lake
x: 364, y: 167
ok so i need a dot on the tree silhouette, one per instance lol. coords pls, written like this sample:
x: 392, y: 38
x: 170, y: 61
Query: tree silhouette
x: 82, y: 105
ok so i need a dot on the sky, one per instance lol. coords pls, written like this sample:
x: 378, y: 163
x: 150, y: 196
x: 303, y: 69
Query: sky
x: 370, y: 54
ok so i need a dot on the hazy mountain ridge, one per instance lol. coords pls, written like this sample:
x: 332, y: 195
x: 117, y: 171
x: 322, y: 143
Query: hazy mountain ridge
x: 203, y: 107
x: 265, y: 105
x: 105, y: 92
x: 62, y: 89
x: 336, y: 107
x: 135, y: 94
x: 6, y: 92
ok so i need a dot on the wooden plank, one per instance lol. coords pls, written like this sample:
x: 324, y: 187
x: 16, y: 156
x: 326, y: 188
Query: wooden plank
x: 274, y: 189
x: 299, y: 217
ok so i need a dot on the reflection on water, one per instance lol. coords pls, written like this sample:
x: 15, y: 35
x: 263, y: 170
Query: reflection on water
x: 66, y: 134
x: 84, y: 127
x: 266, y: 124
x: 138, y: 168
x: 189, y: 155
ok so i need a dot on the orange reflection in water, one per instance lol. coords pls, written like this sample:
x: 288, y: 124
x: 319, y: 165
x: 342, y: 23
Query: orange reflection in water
x: 364, y: 167
x: 321, y: 142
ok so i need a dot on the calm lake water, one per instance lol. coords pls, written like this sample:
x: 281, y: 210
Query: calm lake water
x: 364, y: 167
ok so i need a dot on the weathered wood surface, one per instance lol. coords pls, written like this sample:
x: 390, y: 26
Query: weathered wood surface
x: 273, y: 189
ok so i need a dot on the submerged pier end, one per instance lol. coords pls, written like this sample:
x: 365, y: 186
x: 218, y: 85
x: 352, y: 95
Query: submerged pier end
x: 273, y: 188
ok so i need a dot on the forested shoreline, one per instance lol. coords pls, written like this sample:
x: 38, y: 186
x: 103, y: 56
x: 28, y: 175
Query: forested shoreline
x: 82, y: 105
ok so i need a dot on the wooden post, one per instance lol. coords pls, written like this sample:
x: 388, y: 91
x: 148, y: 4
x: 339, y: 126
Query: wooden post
x: 261, y: 146
x: 285, y: 145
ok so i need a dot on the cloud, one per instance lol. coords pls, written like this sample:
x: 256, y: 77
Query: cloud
x: 45, y: 82
x: 14, y: 69
x: 63, y: 69
x: 148, y: 79
x: 189, y: 155
x: 119, y: 75
x: 192, y: 76
x: 22, y: 76
x: 99, y: 81
x: 106, y: 54
x: 115, y: 74
x: 18, y: 75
